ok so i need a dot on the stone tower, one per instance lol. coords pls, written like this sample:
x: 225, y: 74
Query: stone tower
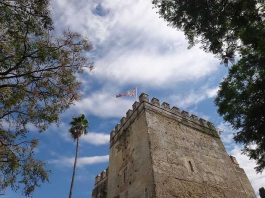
x: 162, y: 152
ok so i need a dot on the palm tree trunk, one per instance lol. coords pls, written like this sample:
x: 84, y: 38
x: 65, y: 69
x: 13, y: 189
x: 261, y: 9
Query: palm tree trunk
x: 73, y: 176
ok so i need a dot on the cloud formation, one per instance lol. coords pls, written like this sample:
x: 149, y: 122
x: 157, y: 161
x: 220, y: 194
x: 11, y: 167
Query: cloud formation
x: 82, y: 161
x: 154, y: 70
x: 226, y: 134
x: 104, y: 104
x: 135, y: 48
x: 193, y: 97
x: 92, y: 137
x: 95, y: 138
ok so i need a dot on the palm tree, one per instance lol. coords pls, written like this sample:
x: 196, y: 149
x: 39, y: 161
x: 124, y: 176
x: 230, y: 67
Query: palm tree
x: 78, y: 128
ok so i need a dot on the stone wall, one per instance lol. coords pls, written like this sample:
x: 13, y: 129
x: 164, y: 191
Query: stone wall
x: 101, y: 185
x: 189, y: 159
x: 163, y: 152
x: 130, y: 169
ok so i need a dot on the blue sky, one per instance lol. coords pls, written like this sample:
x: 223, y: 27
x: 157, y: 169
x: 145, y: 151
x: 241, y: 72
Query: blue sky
x: 133, y: 47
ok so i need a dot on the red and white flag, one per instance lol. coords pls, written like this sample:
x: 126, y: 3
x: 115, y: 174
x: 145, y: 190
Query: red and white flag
x: 131, y: 92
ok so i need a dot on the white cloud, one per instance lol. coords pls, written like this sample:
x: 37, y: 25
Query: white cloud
x: 144, y: 50
x: 211, y: 93
x: 153, y: 69
x: 96, y: 138
x: 82, y: 161
x: 257, y: 180
x: 193, y: 97
x: 226, y: 133
x: 134, y: 45
x: 104, y: 104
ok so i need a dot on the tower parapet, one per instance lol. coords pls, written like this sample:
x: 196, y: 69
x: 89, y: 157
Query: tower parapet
x: 101, y: 182
x: 101, y: 177
x: 154, y: 105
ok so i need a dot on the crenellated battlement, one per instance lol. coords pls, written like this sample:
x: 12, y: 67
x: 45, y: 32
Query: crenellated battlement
x: 234, y: 161
x: 161, y: 151
x: 101, y: 177
x: 164, y: 107
x: 123, y: 120
x: 177, y: 111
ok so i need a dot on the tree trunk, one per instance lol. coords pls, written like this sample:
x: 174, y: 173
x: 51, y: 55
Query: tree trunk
x: 73, y: 176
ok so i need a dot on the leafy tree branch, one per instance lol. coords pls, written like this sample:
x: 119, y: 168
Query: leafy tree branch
x: 231, y: 30
x: 38, y: 82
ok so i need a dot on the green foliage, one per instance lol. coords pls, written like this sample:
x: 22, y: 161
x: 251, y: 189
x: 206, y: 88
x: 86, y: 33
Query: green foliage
x: 37, y: 83
x: 17, y: 164
x: 241, y: 101
x: 231, y: 29
x: 222, y: 26
x: 79, y: 126
x: 262, y: 192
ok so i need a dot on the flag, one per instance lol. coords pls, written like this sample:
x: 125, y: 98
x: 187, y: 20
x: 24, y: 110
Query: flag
x: 220, y: 131
x: 91, y: 67
x: 131, y: 92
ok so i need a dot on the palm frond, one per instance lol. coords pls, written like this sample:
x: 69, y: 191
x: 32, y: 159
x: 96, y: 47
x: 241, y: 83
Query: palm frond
x: 79, y: 126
